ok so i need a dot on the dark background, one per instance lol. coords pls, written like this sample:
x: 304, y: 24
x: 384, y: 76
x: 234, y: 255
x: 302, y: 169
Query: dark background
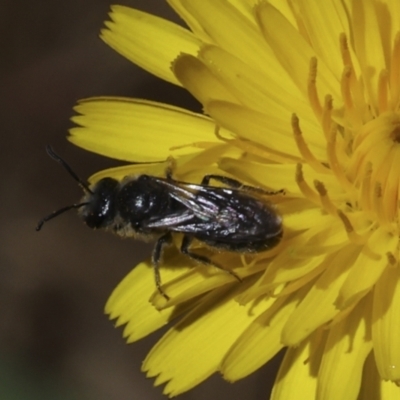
x: 55, y: 341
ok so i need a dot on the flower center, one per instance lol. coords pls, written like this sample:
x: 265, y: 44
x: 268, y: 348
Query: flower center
x: 363, y: 153
x: 374, y: 166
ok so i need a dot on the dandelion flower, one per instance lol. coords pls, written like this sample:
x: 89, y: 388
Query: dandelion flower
x: 306, y: 95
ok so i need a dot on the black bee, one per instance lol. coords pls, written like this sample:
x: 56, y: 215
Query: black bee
x: 232, y: 218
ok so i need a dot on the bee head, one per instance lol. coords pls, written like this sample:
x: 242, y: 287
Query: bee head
x: 97, y: 208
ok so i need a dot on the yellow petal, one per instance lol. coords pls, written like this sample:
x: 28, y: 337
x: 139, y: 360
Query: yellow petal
x: 324, y: 23
x: 367, y: 269
x: 386, y: 323
x: 220, y: 20
x: 348, y: 345
x: 389, y: 390
x: 148, y: 41
x: 294, y: 54
x: 254, y: 88
x: 245, y: 7
x: 368, y: 43
x: 129, y: 303
x: 373, y: 387
x: 305, y: 253
x: 296, y: 221
x: 269, y: 131
x: 261, y: 340
x: 286, y: 8
x: 205, y: 335
x: 297, y: 375
x: 199, y: 80
x: 127, y: 129
x: 190, y: 21
x: 394, y: 7
x: 318, y: 306
x: 284, y: 269
x: 275, y: 176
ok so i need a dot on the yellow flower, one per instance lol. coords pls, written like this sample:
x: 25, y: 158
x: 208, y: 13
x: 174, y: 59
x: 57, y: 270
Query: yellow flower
x: 306, y: 95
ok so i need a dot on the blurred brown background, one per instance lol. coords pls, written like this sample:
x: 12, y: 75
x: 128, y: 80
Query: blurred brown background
x: 55, y: 341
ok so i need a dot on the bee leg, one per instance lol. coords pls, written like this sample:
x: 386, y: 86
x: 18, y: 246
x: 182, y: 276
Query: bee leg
x: 163, y: 241
x: 234, y: 184
x: 186, y: 242
x: 170, y: 168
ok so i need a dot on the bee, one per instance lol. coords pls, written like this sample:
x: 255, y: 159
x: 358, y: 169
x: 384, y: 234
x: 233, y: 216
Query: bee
x: 232, y: 217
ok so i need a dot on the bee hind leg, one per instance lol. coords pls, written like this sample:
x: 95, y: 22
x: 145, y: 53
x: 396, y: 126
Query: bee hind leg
x: 234, y: 184
x: 186, y: 242
x: 163, y: 241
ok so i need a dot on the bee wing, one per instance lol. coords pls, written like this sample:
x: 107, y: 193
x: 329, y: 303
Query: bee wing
x: 204, y: 205
x: 184, y: 223
x: 200, y: 201
x: 171, y: 221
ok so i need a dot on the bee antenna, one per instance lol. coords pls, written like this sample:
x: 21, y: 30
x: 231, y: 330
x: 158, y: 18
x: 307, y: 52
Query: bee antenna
x: 56, y: 213
x: 57, y: 158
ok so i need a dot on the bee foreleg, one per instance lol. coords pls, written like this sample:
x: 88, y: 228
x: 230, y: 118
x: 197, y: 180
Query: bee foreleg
x: 186, y: 242
x: 163, y: 241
